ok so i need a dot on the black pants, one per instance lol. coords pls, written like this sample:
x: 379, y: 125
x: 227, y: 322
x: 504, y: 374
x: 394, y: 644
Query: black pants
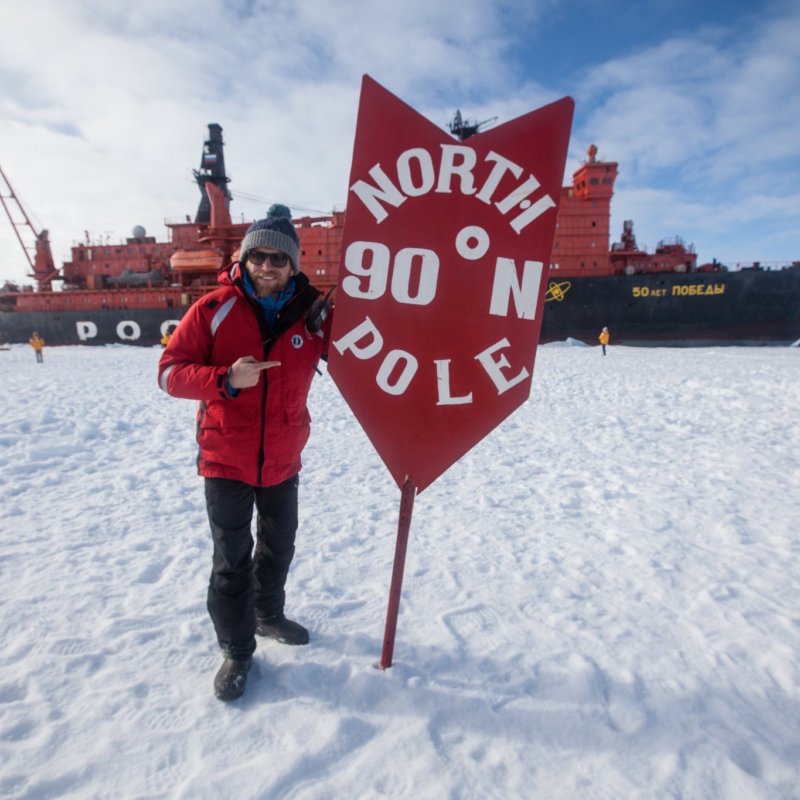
x: 244, y: 584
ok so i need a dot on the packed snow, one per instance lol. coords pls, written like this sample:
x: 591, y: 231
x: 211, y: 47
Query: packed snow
x: 600, y: 600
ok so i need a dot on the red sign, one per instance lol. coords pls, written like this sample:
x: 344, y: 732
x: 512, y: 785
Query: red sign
x: 445, y: 256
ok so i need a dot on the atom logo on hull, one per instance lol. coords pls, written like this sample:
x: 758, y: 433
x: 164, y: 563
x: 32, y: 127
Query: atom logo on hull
x: 557, y: 291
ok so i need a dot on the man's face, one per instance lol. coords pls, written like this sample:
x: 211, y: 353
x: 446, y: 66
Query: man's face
x: 268, y: 279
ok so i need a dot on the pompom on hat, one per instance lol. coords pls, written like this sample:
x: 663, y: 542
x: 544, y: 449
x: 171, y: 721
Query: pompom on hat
x: 275, y: 230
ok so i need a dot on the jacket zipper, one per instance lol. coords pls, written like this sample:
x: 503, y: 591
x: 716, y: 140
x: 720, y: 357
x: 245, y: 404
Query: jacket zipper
x: 261, y: 453
x: 267, y: 346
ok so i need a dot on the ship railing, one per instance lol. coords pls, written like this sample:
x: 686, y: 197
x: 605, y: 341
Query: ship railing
x: 764, y: 265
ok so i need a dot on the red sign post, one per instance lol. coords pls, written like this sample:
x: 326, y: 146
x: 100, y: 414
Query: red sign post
x: 438, y: 311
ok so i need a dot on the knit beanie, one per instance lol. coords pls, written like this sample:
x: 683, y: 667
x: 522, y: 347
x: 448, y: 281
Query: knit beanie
x: 277, y: 231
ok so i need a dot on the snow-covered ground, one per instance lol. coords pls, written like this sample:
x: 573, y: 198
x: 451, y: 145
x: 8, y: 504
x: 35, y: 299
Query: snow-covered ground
x: 601, y: 600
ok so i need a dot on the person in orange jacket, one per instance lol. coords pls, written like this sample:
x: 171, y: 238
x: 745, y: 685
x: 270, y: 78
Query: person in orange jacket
x: 37, y: 343
x: 604, y: 338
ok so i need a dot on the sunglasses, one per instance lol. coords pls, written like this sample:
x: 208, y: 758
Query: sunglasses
x: 276, y: 259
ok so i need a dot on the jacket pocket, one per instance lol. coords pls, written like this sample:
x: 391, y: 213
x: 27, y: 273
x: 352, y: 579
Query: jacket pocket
x: 229, y: 415
x: 295, y: 411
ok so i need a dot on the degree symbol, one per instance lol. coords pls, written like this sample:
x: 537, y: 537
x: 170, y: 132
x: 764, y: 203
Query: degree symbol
x: 472, y: 242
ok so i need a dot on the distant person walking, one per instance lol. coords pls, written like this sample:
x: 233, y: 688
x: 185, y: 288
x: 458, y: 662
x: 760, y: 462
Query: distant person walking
x: 604, y: 338
x: 37, y: 343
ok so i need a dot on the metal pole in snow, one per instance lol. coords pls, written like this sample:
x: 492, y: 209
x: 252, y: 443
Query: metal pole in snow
x: 403, y: 527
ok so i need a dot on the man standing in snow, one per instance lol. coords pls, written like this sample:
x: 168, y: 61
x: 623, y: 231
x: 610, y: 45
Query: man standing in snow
x: 248, y: 352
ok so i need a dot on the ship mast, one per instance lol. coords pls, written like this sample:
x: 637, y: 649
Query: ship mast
x: 43, y: 268
x: 212, y: 170
x: 464, y: 128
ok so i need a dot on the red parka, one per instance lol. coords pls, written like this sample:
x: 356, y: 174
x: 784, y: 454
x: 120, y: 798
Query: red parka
x: 256, y: 436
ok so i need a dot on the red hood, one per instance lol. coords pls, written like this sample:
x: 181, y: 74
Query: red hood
x: 229, y: 274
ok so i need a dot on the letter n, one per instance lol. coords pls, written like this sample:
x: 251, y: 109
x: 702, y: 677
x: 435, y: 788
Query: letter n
x: 371, y: 196
x: 507, y: 284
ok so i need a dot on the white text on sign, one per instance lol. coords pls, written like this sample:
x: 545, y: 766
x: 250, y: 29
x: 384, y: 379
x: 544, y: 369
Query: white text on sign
x: 372, y: 261
x: 372, y: 270
x: 365, y: 341
x: 417, y: 173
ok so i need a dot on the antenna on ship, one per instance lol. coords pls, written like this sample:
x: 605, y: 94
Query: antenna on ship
x: 212, y: 170
x: 464, y: 128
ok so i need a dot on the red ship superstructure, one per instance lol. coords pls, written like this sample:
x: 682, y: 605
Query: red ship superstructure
x: 581, y: 244
x: 142, y: 272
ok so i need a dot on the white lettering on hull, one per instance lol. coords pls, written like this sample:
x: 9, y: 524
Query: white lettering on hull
x: 86, y: 330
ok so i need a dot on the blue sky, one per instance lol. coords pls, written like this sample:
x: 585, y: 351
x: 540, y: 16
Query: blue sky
x: 105, y: 105
x: 572, y: 36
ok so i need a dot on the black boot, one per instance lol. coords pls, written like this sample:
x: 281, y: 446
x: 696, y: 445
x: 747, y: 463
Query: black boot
x: 230, y: 680
x: 282, y: 629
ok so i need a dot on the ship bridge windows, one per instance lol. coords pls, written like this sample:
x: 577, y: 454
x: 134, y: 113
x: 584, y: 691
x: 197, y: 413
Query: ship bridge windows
x: 593, y: 181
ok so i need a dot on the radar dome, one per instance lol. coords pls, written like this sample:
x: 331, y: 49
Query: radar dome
x: 139, y: 232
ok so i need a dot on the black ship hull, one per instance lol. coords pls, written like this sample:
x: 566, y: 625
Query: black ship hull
x: 751, y: 307
x: 136, y: 326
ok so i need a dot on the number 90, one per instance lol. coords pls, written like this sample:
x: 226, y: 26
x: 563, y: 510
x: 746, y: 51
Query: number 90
x: 371, y: 260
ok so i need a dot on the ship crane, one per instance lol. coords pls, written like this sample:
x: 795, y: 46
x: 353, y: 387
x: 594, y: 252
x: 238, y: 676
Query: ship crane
x: 464, y: 128
x: 43, y: 268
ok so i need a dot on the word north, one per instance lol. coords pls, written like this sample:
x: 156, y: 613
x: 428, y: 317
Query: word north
x: 418, y: 172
